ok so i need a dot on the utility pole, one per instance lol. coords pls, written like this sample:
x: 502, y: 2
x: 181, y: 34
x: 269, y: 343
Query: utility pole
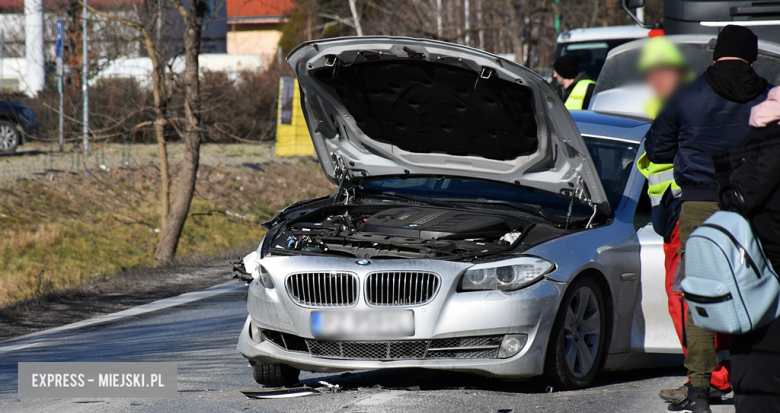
x: 60, y: 72
x: 85, y: 73
x: 2, y: 56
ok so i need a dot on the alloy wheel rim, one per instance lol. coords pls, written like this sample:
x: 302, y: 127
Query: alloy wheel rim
x: 582, y: 331
x: 7, y: 137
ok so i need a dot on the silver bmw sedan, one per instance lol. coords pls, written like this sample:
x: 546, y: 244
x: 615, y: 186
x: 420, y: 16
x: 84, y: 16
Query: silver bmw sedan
x: 477, y: 226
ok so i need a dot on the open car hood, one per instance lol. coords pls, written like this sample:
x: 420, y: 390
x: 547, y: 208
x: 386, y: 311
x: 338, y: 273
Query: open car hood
x: 390, y: 106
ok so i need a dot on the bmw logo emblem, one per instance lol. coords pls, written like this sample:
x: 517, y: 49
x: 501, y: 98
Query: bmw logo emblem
x: 362, y: 262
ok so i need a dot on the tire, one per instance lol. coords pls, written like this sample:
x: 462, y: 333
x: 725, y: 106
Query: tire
x: 9, y: 137
x: 275, y: 375
x: 579, y: 332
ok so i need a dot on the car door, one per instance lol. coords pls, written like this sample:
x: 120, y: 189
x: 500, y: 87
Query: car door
x: 652, y: 327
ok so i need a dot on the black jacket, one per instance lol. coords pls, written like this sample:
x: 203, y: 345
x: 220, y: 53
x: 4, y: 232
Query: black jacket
x: 702, y: 119
x: 753, y: 169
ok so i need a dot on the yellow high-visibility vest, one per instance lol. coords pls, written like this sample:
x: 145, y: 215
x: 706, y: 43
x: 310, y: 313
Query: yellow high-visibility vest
x: 577, y: 96
x: 660, y: 177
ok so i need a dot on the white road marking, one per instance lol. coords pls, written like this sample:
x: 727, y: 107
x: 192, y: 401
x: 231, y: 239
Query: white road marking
x: 33, y: 339
x: 380, y: 398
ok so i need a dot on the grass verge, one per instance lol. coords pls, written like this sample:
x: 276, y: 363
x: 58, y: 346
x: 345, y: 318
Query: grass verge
x: 66, y: 229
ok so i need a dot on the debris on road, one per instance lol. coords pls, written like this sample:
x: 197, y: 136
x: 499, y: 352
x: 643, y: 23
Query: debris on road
x: 278, y: 392
x: 328, y: 388
x: 372, y: 388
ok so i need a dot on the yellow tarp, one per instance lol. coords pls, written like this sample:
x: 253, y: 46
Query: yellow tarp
x: 292, y: 135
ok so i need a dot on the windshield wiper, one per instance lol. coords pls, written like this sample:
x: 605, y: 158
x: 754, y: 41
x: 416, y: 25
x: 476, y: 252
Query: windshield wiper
x: 427, y: 201
x: 522, y: 207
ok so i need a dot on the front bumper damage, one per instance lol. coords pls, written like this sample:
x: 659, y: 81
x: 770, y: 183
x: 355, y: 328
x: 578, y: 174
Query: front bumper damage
x: 455, y: 331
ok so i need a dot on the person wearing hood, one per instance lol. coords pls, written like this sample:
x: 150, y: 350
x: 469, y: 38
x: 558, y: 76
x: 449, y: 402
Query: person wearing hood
x: 704, y: 118
x: 664, y: 69
x: 576, y: 87
x: 753, y: 170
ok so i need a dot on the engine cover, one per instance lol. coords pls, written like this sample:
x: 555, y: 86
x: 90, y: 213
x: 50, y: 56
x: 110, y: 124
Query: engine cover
x: 431, y: 223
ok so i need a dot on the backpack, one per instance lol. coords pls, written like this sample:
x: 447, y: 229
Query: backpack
x: 729, y: 285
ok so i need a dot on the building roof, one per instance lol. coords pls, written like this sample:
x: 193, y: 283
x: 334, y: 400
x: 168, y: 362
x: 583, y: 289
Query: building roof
x: 257, y: 11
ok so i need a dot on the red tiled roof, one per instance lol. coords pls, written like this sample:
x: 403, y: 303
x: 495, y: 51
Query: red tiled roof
x: 257, y: 8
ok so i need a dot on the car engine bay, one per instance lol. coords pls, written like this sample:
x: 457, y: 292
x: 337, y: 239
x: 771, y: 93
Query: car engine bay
x: 407, y: 232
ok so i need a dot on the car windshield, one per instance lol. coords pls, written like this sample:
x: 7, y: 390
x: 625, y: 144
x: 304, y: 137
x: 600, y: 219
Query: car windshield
x: 480, y: 194
x: 592, y: 54
x: 621, y: 70
x: 613, y: 160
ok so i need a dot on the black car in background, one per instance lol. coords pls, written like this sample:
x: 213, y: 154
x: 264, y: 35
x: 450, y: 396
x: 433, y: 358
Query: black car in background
x: 18, y: 123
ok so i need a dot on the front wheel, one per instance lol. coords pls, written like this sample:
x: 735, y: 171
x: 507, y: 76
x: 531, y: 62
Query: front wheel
x: 275, y: 375
x: 9, y: 137
x: 577, y: 340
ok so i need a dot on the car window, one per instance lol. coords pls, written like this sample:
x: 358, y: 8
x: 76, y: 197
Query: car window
x: 621, y: 69
x: 614, y: 161
x: 592, y: 54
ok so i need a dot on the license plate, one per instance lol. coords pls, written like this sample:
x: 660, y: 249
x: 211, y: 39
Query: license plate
x: 352, y: 324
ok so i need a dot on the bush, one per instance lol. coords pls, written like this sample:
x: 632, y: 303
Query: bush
x: 236, y: 108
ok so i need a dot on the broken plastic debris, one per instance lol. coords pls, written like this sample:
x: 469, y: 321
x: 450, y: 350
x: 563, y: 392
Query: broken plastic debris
x: 329, y: 388
x: 278, y: 392
x: 103, y: 167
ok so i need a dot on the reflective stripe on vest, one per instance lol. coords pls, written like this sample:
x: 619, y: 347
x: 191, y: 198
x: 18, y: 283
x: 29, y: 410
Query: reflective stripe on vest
x: 577, y: 96
x: 660, y: 177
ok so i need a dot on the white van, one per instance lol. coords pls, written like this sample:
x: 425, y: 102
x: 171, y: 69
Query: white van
x: 593, y: 44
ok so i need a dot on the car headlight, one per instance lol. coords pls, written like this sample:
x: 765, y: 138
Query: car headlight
x: 508, y: 275
x: 265, y: 277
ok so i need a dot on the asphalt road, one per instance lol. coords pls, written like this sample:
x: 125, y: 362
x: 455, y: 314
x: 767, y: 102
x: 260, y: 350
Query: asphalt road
x: 201, y: 336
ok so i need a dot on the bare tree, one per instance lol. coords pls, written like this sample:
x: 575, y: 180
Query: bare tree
x: 192, y: 14
x: 355, y: 17
x: 158, y: 91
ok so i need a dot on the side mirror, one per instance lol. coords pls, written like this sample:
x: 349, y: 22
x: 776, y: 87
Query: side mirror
x: 627, y: 5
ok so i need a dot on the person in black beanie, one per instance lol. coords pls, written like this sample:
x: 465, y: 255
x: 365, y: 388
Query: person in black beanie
x: 702, y: 119
x: 576, y: 87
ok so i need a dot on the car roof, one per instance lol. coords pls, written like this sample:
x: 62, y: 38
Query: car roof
x: 763, y: 46
x: 603, y: 33
x: 610, y: 127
